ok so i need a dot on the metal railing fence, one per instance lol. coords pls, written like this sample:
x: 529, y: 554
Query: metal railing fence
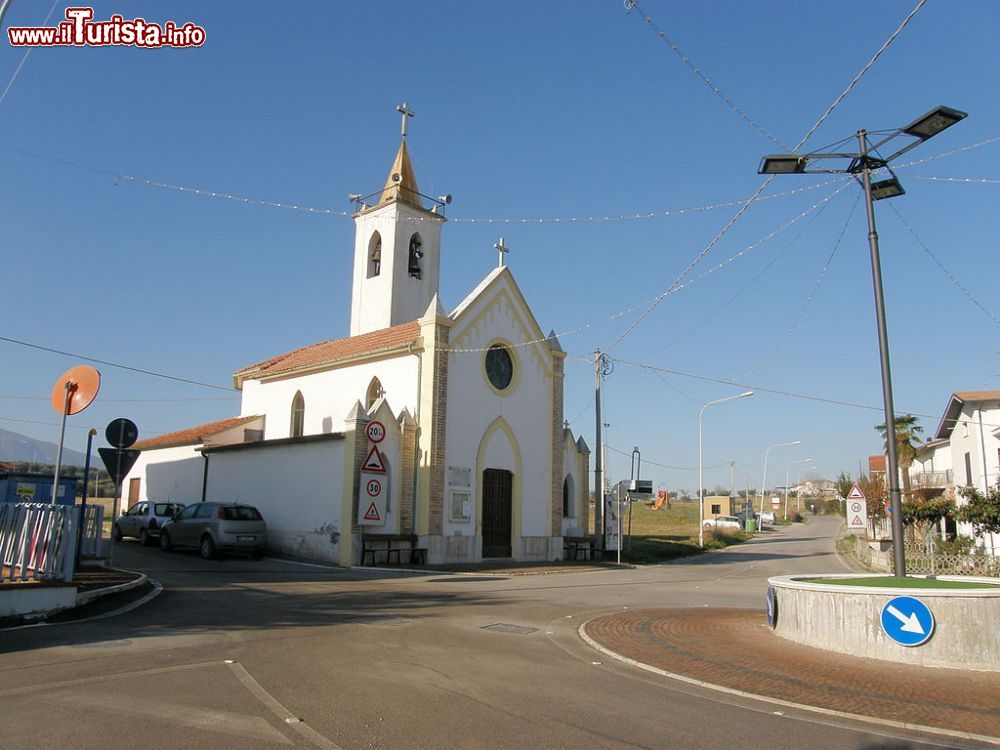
x: 37, y: 541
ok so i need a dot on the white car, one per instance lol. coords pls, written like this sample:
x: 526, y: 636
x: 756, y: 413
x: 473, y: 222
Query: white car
x: 767, y: 516
x: 723, y: 522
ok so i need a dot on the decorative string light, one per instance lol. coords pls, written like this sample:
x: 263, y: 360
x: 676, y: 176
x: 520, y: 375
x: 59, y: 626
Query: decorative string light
x: 267, y: 202
x: 845, y: 183
x: 860, y: 75
x: 954, y: 151
x: 767, y: 182
x: 634, y: 5
x: 809, y: 298
x: 976, y: 180
x: 943, y: 268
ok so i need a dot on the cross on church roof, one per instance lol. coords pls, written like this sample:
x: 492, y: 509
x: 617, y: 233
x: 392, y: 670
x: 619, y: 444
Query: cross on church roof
x: 502, y: 249
x: 405, y: 110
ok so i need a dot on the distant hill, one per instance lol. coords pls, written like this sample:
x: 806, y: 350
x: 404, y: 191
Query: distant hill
x: 16, y: 447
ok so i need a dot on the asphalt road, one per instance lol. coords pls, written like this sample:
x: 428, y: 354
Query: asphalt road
x: 270, y: 654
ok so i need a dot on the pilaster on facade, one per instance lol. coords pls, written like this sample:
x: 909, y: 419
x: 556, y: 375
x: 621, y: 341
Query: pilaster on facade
x: 435, y: 329
x: 583, y: 456
x: 408, y: 463
x: 556, y: 431
x: 355, y: 442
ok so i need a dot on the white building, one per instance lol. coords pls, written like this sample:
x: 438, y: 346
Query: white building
x: 470, y: 457
x: 970, y: 432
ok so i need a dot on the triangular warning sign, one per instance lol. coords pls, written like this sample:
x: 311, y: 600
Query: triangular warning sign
x: 372, y: 513
x: 856, y: 521
x: 856, y: 493
x: 374, y: 462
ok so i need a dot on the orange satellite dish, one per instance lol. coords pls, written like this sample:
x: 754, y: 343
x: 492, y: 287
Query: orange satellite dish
x: 84, y: 383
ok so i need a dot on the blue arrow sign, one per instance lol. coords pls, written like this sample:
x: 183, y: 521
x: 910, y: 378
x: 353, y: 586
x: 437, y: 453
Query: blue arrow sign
x: 907, y: 621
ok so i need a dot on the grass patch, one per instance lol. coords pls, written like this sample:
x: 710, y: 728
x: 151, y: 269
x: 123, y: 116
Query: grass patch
x: 659, y: 535
x: 897, y: 582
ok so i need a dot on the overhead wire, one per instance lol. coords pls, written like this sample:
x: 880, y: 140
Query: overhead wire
x: 810, y: 297
x: 24, y: 57
x: 676, y: 468
x: 767, y: 182
x: 634, y: 5
x: 113, y: 364
x: 129, y: 400
x: 269, y: 203
x: 860, y: 75
x: 954, y: 151
x: 961, y: 287
x: 734, y: 297
x: 721, y: 264
x: 973, y: 180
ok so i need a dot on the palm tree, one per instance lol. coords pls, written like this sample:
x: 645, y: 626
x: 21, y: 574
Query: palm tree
x: 907, y: 441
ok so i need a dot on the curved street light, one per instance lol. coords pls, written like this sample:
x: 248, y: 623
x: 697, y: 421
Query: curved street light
x: 701, y: 481
x: 789, y: 466
x: 861, y: 165
x: 763, y: 477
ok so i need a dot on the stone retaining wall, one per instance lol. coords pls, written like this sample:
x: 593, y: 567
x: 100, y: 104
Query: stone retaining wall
x: 848, y: 619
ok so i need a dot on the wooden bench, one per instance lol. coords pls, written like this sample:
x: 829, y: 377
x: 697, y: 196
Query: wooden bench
x: 392, y: 546
x: 573, y: 546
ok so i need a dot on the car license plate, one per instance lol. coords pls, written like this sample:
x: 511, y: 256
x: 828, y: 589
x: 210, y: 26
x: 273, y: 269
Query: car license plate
x: 246, y: 538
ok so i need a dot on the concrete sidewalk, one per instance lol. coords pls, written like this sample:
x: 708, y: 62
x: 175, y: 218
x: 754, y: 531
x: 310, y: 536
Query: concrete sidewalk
x: 99, y: 590
x: 734, y: 650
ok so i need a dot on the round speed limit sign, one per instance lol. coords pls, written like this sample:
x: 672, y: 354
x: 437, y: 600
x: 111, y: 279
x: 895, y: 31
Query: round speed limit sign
x: 376, y: 431
x: 374, y: 488
x: 855, y: 507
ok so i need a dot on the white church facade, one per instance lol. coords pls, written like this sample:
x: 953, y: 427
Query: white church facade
x: 435, y: 430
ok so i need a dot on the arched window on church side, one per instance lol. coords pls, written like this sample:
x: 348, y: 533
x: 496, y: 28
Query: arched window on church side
x: 568, y: 497
x: 298, y: 415
x: 375, y: 255
x: 413, y: 264
x: 375, y: 392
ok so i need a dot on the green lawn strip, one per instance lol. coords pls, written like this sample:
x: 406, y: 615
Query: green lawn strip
x: 895, y: 582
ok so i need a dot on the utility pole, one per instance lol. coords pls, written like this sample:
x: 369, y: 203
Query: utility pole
x: 599, y: 465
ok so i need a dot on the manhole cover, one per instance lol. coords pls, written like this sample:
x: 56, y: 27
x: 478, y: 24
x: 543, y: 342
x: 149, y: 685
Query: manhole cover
x: 502, y: 627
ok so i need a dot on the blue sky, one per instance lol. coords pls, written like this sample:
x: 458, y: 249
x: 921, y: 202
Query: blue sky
x: 524, y: 110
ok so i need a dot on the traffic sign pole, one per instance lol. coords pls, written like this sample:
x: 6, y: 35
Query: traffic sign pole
x: 70, y: 387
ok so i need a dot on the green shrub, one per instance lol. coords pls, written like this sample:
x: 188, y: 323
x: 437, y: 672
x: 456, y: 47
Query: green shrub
x: 960, y: 545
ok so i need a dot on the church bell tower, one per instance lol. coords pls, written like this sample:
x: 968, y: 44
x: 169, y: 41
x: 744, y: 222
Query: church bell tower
x: 397, y: 248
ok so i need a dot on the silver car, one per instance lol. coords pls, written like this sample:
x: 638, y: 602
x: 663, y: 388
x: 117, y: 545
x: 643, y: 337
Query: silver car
x: 144, y: 520
x: 214, y: 528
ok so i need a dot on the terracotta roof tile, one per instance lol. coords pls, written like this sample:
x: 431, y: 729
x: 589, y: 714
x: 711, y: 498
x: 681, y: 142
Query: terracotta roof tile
x: 978, y: 395
x: 329, y: 352
x: 192, y: 435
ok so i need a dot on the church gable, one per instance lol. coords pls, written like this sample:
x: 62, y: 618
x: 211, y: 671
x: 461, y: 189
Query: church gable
x: 496, y: 312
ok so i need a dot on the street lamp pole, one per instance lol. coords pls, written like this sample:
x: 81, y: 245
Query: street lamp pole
x: 861, y: 165
x: 787, y: 468
x: 892, y: 460
x: 798, y: 476
x: 701, y: 479
x: 763, y: 478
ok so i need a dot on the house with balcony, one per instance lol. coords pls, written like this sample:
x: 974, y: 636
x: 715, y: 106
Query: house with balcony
x: 969, y: 431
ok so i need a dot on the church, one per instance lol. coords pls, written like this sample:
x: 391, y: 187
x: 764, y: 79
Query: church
x: 436, y: 432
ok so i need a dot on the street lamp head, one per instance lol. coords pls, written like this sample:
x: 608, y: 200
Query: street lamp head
x: 782, y: 164
x: 889, y: 188
x: 938, y: 119
x: 745, y: 394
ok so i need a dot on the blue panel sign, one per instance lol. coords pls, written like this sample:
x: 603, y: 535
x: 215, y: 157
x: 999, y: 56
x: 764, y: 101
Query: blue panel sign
x: 907, y: 621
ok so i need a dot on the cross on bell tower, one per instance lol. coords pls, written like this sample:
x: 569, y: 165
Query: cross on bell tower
x: 406, y: 112
x: 397, y: 248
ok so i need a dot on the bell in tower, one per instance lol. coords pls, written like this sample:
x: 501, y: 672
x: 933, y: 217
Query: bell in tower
x: 397, y: 248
